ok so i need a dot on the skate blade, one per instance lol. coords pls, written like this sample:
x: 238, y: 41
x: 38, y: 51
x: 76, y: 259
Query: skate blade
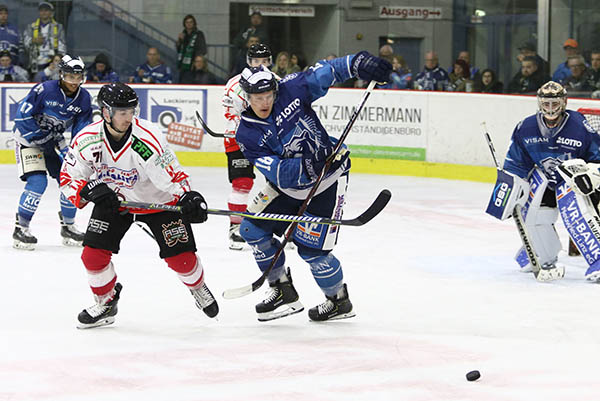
x: 551, y: 274
x: 236, y: 246
x: 336, y: 317
x: 99, y: 323
x: 23, y: 246
x: 71, y: 242
x: 282, y: 311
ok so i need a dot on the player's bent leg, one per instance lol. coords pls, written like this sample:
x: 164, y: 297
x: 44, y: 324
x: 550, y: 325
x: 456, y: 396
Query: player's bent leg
x: 36, y: 184
x: 282, y: 298
x: 69, y: 233
x: 238, y: 202
x: 191, y: 273
x: 581, y: 220
x: 327, y: 272
x: 103, y: 282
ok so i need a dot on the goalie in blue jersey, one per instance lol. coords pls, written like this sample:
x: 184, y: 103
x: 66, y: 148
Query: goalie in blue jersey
x: 282, y: 137
x: 48, y: 110
x: 550, y: 169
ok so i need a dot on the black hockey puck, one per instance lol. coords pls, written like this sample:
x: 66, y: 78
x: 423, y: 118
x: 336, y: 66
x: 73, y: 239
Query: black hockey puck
x: 473, y: 375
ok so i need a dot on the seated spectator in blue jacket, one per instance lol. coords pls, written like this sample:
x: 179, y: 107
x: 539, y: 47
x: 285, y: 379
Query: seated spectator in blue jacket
x: 10, y: 72
x: 153, y: 71
x: 199, y: 74
x: 101, y: 70
x: 9, y: 35
x: 562, y: 72
x: 433, y: 77
x: 51, y: 72
x: 581, y: 77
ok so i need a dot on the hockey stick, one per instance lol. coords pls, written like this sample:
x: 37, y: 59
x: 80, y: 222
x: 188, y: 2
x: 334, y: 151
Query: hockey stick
x: 373, y: 210
x: 517, y: 215
x: 248, y: 289
x: 211, y: 132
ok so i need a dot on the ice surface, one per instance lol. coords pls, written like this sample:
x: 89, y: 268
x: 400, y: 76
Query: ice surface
x: 432, y: 279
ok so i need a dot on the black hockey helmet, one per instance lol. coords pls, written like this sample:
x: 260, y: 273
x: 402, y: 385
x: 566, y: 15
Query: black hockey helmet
x: 117, y: 95
x: 258, y: 80
x: 259, y: 50
x: 70, y: 65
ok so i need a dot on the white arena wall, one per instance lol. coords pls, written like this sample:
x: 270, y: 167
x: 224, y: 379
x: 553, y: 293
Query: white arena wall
x: 437, y: 134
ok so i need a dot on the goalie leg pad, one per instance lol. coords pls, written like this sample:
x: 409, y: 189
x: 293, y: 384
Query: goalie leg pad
x: 544, y: 238
x: 583, y: 225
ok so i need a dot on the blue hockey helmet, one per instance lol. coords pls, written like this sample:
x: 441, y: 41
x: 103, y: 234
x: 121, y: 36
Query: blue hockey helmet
x: 258, y: 80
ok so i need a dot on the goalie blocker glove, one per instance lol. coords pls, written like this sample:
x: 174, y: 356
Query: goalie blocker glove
x: 193, y: 207
x: 101, y: 195
x: 583, y: 177
x: 370, y: 68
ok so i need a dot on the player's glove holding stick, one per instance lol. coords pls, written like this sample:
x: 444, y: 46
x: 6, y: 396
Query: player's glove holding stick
x: 581, y: 176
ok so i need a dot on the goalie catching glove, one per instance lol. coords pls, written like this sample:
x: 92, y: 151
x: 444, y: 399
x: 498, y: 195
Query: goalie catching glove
x: 581, y: 176
x: 101, y: 195
x: 193, y: 207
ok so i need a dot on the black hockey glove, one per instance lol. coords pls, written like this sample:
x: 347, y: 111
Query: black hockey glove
x: 315, y: 162
x: 193, y: 207
x: 101, y: 195
x: 370, y: 68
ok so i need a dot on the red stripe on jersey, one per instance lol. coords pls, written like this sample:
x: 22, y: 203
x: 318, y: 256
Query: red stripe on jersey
x: 153, y: 137
x: 110, y: 152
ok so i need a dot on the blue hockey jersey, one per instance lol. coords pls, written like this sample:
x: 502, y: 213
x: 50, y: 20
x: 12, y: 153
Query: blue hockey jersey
x: 46, y: 113
x: 275, y: 145
x: 534, y: 144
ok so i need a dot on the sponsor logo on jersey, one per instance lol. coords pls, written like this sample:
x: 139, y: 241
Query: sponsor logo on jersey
x: 535, y: 140
x: 141, y: 148
x: 569, y: 142
x: 74, y: 109
x: 117, y: 176
x: 52, y: 103
x: 165, y: 159
x: 175, y: 232
x: 287, y: 111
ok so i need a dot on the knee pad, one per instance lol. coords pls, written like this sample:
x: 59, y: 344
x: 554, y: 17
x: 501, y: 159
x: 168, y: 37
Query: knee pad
x: 242, y: 184
x: 37, y: 182
x: 251, y: 233
x: 182, y: 263
x: 325, y: 268
x: 101, y: 272
x: 95, y: 259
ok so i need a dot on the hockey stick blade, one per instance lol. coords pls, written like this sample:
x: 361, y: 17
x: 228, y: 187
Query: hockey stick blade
x: 209, y: 131
x: 376, y: 207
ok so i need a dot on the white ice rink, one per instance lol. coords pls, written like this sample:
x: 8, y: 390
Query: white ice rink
x: 432, y: 280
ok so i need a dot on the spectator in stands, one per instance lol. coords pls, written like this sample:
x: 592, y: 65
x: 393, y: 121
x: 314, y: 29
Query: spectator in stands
x: 199, y: 74
x: 51, y: 72
x: 466, y: 56
x: 282, y: 65
x: 10, y: 72
x: 579, y: 81
x: 488, y: 82
x: 386, y: 52
x: 460, y: 78
x: 529, y: 79
x: 595, y: 69
x: 101, y: 70
x: 190, y: 43
x: 256, y: 29
x: 153, y: 71
x: 571, y: 48
x: 528, y: 49
x: 433, y: 77
x: 296, y: 63
x: 9, y: 35
x: 43, y: 38
x: 400, y: 77
x: 240, y: 61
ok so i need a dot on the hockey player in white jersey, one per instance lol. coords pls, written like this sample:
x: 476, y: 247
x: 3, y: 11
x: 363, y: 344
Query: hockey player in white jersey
x: 124, y: 158
x: 240, y: 171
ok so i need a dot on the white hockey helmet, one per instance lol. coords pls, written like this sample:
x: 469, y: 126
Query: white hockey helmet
x: 552, y: 100
x: 72, y: 70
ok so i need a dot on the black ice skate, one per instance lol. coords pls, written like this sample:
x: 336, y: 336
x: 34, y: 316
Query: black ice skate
x: 282, y: 300
x: 205, y: 301
x: 23, y: 239
x: 336, y: 307
x: 70, y: 235
x: 100, y: 314
x: 236, y: 242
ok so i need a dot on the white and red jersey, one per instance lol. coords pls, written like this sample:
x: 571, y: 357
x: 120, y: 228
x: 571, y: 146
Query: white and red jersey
x: 144, y: 169
x: 234, y: 103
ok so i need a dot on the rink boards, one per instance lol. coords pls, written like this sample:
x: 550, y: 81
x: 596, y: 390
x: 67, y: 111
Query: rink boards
x: 427, y: 134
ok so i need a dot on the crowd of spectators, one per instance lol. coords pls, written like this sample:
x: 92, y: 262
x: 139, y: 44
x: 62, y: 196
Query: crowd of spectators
x: 34, y: 56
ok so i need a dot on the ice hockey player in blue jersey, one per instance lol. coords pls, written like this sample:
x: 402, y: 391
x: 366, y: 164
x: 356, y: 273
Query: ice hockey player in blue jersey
x: 43, y: 116
x: 547, y: 149
x: 283, y: 138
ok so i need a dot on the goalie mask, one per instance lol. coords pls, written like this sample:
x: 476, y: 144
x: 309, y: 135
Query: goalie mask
x: 259, y: 51
x: 552, y: 100
x: 72, y: 70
